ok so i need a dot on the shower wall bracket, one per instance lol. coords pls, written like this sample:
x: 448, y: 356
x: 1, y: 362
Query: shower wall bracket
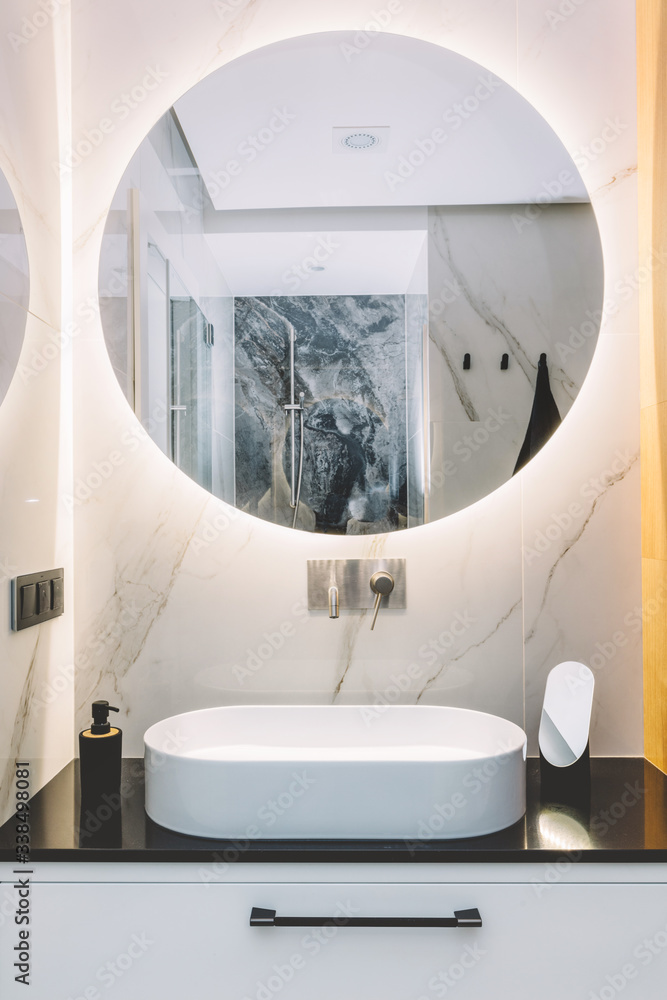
x: 352, y: 577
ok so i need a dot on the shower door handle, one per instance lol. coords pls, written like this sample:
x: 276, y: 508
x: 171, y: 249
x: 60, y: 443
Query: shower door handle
x: 176, y: 432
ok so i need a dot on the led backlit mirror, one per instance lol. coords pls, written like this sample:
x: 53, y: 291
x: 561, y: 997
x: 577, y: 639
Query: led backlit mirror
x: 390, y: 250
x: 14, y: 287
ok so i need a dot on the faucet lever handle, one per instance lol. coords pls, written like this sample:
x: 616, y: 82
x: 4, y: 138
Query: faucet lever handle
x: 382, y: 584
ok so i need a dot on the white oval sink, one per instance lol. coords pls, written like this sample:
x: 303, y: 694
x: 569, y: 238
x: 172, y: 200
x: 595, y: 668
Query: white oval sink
x: 355, y: 772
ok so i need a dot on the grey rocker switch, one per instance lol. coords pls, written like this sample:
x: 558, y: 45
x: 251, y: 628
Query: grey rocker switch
x: 37, y: 597
x: 28, y: 600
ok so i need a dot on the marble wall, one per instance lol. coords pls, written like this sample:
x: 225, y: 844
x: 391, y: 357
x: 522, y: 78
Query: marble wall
x: 502, y: 281
x: 546, y: 568
x: 417, y: 351
x: 350, y: 356
x: 37, y: 677
x: 174, y: 590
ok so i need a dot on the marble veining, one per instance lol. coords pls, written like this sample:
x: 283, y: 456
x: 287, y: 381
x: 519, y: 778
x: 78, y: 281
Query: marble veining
x: 19, y: 732
x: 350, y: 361
x: 503, y: 282
x: 238, y: 580
x: 142, y: 585
x: 468, y: 564
x: 569, y: 543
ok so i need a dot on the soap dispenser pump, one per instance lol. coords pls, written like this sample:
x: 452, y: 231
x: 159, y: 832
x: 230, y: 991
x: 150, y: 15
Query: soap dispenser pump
x: 100, y: 754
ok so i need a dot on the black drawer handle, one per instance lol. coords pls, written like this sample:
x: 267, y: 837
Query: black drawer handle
x: 267, y: 918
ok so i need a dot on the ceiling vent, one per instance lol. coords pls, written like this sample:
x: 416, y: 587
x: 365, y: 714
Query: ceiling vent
x: 363, y: 139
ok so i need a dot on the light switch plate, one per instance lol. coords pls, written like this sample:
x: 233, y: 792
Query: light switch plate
x: 48, y: 594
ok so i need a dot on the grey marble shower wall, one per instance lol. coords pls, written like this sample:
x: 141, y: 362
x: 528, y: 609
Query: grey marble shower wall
x: 351, y: 355
x: 416, y: 327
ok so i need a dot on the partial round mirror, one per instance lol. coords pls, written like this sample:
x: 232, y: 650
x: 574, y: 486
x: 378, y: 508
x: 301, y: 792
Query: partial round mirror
x: 351, y: 291
x: 14, y: 286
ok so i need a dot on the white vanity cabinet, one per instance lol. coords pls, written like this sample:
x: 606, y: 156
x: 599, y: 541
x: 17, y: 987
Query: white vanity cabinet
x: 135, y: 931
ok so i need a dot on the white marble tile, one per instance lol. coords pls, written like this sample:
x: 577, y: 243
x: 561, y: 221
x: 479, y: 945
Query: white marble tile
x: 33, y: 120
x: 578, y: 69
x: 481, y: 30
x: 36, y: 706
x: 205, y: 598
x: 582, y: 566
x: 220, y: 617
x: 578, y: 597
x: 591, y: 52
x: 501, y: 282
x: 36, y: 703
x: 164, y: 619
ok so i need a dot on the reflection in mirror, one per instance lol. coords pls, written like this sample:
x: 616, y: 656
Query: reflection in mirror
x: 14, y: 286
x: 288, y: 300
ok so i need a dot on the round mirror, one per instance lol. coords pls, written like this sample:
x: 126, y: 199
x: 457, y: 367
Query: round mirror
x: 351, y: 291
x: 14, y: 285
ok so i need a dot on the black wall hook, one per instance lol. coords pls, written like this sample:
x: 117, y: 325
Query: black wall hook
x: 504, y: 362
x: 466, y: 362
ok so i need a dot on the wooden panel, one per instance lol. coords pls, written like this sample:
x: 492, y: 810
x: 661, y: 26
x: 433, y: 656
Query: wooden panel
x: 655, y: 808
x: 654, y: 574
x: 652, y: 164
x: 654, y: 481
x: 652, y: 168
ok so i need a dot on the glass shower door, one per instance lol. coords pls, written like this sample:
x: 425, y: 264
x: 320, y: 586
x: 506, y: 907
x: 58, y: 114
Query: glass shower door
x: 191, y: 408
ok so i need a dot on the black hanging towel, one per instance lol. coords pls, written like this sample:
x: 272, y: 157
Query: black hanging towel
x: 544, y: 417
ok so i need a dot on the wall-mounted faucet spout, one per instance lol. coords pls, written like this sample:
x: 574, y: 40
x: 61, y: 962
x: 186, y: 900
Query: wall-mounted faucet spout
x: 333, y: 602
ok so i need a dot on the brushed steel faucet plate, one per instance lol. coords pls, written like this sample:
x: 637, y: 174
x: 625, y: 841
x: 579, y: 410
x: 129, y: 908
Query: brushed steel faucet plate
x: 353, y: 579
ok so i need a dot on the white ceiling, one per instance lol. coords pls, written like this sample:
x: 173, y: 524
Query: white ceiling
x: 503, y: 151
x: 355, y: 263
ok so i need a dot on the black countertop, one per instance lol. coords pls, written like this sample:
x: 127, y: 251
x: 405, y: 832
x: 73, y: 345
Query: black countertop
x: 622, y: 819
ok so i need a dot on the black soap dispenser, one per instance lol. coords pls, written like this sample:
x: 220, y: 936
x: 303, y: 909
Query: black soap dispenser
x: 100, y: 753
